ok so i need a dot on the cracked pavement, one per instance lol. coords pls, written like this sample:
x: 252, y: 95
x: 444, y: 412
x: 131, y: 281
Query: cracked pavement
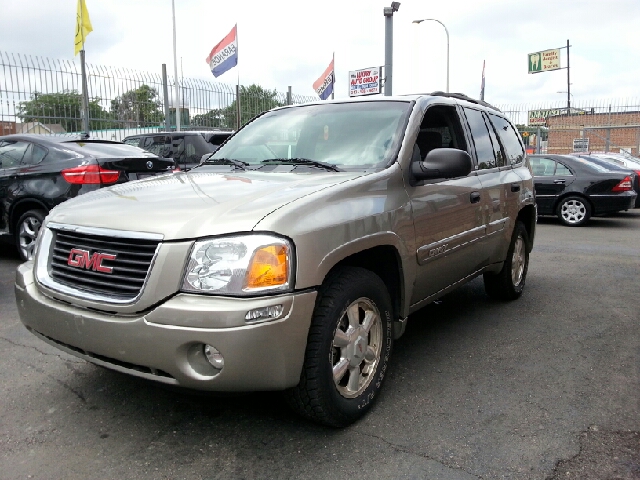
x: 546, y: 387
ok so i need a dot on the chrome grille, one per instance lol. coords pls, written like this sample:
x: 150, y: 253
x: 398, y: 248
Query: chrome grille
x: 129, y: 269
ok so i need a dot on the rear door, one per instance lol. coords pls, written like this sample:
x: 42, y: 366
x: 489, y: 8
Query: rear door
x: 499, y: 182
x: 11, y: 153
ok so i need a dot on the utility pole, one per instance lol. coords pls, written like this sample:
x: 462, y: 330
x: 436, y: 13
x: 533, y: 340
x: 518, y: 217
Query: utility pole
x: 388, y: 47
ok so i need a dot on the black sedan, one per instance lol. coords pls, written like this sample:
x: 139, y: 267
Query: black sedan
x: 38, y: 172
x: 575, y: 188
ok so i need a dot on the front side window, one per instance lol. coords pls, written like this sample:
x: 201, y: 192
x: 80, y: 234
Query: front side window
x: 358, y: 135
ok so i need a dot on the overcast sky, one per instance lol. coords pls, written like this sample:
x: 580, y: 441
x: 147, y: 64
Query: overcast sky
x: 290, y: 42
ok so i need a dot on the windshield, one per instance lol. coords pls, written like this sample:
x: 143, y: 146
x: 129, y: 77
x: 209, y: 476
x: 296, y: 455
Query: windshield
x: 361, y: 135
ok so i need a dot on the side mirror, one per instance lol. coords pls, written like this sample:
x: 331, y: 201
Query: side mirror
x: 442, y: 163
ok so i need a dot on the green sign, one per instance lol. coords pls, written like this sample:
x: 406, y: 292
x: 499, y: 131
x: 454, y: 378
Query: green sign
x: 544, y: 61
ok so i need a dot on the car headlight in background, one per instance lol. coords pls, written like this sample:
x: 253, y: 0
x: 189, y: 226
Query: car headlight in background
x: 240, y: 265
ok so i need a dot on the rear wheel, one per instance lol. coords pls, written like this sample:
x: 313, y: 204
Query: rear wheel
x: 348, y: 349
x: 26, y: 232
x: 574, y: 211
x: 508, y: 284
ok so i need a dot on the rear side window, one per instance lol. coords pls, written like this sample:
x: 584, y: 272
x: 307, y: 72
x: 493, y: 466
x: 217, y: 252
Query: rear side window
x: 481, y: 138
x: 135, y: 141
x: 11, y: 153
x: 34, y: 155
x: 158, y: 145
x: 509, y: 138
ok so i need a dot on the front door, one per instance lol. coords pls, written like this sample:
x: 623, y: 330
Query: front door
x: 447, y: 214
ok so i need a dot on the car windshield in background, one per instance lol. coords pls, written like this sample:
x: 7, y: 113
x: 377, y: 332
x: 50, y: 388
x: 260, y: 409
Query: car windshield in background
x: 98, y: 149
x: 349, y: 136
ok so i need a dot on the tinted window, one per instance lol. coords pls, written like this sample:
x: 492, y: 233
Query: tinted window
x: 497, y: 151
x: 481, y: 139
x: 132, y: 141
x: 34, y: 155
x: 11, y: 153
x: 509, y: 138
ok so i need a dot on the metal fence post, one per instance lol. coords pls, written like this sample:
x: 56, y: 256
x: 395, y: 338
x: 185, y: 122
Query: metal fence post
x: 538, y: 144
x: 289, y: 100
x: 165, y: 92
x: 238, y: 120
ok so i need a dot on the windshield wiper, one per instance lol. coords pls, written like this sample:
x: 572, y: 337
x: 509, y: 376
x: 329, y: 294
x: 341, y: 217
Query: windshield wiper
x: 301, y: 161
x: 226, y: 161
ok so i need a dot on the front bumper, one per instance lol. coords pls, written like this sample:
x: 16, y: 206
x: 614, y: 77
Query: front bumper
x: 165, y: 344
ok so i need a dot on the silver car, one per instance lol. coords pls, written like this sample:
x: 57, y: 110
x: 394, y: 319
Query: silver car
x: 290, y: 259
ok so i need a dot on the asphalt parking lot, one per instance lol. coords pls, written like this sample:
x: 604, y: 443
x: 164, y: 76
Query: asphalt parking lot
x: 546, y: 387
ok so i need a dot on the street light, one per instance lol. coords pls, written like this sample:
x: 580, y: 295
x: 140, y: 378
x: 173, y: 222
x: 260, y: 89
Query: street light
x: 447, y: 32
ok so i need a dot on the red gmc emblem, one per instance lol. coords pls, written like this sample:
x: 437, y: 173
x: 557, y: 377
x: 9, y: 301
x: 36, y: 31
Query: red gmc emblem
x: 82, y: 259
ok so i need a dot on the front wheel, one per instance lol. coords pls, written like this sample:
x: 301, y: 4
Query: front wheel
x: 348, y: 349
x: 508, y: 284
x: 26, y: 232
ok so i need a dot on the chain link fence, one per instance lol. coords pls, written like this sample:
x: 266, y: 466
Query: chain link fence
x: 41, y: 95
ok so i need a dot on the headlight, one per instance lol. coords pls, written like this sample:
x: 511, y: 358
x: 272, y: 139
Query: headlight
x: 240, y: 265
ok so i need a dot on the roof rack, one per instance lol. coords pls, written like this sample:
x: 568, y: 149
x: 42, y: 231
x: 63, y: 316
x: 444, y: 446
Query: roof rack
x: 462, y: 96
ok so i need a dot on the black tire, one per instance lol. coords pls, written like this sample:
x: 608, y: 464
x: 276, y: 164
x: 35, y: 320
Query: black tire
x: 339, y: 383
x: 509, y: 283
x: 26, y: 232
x: 573, y: 211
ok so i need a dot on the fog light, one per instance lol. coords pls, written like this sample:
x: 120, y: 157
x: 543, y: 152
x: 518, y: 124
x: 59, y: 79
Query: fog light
x: 213, y: 356
x: 264, y: 313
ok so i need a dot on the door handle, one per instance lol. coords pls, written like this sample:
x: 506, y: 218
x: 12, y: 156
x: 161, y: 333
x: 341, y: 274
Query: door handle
x: 561, y: 180
x: 474, y: 197
x: 515, y: 187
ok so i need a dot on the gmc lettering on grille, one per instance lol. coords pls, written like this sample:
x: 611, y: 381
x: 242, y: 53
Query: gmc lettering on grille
x: 83, y: 259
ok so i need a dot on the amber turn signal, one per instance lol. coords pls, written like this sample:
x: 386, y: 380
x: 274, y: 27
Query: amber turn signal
x: 269, y: 267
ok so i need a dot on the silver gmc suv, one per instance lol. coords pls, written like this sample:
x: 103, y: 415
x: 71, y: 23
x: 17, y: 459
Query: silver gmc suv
x: 291, y: 258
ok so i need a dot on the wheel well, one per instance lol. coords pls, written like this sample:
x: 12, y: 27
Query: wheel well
x: 22, y: 207
x: 384, y: 261
x: 528, y: 217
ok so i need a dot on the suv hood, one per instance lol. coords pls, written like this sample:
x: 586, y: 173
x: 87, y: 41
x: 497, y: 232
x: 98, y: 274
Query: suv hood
x: 193, y: 204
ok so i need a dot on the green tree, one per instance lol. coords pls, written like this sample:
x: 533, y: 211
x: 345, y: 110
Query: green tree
x: 253, y: 100
x: 138, y: 107
x: 64, y: 108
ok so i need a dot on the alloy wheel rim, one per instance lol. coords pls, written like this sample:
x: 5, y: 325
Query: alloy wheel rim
x: 356, y: 348
x: 27, y: 235
x: 573, y: 211
x: 518, y: 261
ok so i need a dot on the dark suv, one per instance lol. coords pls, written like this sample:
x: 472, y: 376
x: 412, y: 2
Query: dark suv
x: 186, y: 147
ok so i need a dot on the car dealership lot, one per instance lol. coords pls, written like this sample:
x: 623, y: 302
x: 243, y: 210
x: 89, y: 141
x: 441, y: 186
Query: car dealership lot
x: 476, y: 389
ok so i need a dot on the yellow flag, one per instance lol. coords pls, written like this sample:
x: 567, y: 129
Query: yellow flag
x: 83, y: 25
